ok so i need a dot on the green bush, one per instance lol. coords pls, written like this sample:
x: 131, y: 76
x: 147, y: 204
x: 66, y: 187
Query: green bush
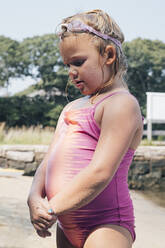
x: 26, y: 111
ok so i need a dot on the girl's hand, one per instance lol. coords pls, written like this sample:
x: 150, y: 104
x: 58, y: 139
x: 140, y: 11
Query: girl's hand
x: 44, y: 233
x: 40, y: 218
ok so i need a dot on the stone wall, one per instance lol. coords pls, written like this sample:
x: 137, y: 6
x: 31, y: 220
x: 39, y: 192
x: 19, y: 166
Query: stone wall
x: 147, y: 170
x: 22, y: 157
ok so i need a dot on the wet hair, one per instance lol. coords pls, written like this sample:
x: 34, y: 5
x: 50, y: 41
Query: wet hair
x: 102, y: 22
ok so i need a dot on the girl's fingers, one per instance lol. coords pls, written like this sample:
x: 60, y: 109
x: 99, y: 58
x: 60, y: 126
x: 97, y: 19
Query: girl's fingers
x: 47, y: 233
x: 43, y: 221
x: 43, y: 234
x: 51, y: 223
x: 47, y: 223
x: 41, y: 218
x: 47, y: 220
x: 39, y: 226
x: 46, y: 216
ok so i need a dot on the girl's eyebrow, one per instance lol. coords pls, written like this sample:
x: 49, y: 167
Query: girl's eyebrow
x: 73, y: 58
x: 79, y: 56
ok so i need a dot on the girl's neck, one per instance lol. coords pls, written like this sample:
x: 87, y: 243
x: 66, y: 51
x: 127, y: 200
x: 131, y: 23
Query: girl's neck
x: 117, y: 85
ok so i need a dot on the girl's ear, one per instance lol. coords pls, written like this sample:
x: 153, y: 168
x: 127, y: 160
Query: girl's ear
x: 110, y: 53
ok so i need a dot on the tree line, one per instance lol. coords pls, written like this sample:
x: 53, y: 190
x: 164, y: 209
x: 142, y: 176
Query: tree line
x: 39, y: 58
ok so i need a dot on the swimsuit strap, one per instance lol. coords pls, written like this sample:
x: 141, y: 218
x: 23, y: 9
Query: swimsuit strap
x: 109, y: 95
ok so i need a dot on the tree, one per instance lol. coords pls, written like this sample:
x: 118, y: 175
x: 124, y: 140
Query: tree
x: 26, y: 111
x: 41, y: 58
x: 42, y: 61
x: 146, y: 67
x: 9, y: 60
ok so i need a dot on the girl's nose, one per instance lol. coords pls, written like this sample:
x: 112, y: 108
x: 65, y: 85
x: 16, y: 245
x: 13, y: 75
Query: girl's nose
x: 72, y: 73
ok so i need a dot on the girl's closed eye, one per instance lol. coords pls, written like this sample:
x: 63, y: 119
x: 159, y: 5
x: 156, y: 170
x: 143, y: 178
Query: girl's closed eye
x: 78, y: 62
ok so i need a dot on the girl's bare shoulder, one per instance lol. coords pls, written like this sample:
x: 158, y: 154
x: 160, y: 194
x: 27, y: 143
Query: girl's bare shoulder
x: 123, y: 105
x: 121, y: 101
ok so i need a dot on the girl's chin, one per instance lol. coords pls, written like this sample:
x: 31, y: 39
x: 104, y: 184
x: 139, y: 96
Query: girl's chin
x: 86, y: 92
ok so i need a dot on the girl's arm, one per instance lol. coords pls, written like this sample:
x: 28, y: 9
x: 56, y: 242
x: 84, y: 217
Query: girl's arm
x: 38, y: 184
x: 38, y: 204
x: 120, y: 120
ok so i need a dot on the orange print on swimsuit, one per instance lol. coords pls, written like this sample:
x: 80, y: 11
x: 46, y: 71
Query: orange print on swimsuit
x: 70, y: 118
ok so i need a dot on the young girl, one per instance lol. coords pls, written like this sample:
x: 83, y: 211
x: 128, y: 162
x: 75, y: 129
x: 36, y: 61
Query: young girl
x: 84, y: 174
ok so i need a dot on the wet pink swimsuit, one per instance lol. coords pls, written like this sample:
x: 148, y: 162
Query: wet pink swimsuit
x: 73, y: 152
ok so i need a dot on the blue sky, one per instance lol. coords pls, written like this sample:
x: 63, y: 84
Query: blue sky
x: 137, y: 18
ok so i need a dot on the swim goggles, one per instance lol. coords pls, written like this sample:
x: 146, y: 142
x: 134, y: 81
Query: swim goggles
x: 78, y: 26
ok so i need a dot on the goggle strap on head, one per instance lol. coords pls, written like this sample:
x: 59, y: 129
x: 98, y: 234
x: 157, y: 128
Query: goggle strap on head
x: 78, y: 26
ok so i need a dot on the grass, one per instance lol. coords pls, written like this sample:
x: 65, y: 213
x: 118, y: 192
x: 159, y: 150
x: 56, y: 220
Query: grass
x: 41, y: 136
x: 26, y: 136
x: 157, y: 142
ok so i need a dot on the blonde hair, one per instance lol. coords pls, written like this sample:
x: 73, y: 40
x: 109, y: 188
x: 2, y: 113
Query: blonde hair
x: 102, y: 22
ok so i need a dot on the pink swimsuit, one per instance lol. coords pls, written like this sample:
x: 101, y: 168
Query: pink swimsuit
x: 73, y: 152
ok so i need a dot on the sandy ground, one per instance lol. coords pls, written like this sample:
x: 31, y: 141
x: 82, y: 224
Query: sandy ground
x: 16, y: 230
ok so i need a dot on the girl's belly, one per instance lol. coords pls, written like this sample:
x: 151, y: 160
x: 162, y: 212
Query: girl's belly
x: 63, y: 166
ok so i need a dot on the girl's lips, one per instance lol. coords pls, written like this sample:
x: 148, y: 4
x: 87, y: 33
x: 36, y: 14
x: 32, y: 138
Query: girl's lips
x: 79, y: 84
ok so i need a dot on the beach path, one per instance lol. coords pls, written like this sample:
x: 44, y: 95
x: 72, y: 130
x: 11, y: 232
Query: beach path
x: 16, y: 230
